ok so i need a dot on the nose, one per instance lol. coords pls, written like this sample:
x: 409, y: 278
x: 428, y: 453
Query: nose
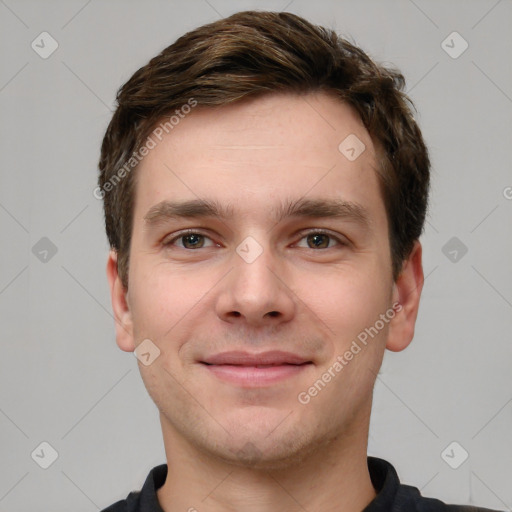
x: 257, y: 293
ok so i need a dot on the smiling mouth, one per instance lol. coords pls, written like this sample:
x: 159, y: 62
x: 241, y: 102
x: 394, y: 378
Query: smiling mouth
x: 257, y: 365
x: 256, y: 375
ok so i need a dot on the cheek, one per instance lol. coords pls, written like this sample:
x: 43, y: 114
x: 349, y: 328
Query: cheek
x: 161, y: 300
x: 346, y: 301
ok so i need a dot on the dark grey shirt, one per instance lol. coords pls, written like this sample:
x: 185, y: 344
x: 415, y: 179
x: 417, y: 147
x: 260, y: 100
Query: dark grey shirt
x: 392, y: 496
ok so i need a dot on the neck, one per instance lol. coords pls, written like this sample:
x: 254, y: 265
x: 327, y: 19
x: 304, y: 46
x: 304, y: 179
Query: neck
x: 333, y: 477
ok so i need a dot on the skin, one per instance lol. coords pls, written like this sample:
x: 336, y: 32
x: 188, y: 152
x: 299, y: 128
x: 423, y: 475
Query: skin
x: 231, y: 447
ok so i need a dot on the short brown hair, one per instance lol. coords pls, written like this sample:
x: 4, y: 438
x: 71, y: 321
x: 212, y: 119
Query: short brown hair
x: 253, y: 53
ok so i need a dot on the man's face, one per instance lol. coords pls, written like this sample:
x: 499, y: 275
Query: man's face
x: 259, y: 280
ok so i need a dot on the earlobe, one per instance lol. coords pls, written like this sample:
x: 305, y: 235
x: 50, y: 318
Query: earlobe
x: 120, y: 307
x: 407, y: 292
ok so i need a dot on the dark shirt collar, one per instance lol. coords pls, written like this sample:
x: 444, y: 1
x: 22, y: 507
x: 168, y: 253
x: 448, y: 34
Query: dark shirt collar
x: 383, y: 475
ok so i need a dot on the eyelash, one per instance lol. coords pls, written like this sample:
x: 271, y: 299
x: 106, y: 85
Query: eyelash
x: 189, y: 232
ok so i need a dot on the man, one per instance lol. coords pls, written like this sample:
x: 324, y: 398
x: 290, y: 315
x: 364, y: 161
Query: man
x: 265, y: 186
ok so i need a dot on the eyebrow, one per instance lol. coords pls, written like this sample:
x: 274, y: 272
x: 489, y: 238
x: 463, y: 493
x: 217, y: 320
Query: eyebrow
x: 308, y: 208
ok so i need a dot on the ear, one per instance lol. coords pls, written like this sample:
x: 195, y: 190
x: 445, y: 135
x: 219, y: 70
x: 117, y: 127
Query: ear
x: 120, y: 306
x: 406, y: 294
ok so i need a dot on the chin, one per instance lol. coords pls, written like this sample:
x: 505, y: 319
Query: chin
x: 252, y: 457
x: 266, y: 452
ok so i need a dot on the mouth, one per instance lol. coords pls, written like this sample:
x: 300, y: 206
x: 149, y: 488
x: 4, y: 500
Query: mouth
x: 255, y: 370
x: 258, y: 365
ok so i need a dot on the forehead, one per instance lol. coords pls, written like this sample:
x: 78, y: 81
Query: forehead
x: 252, y: 152
x: 279, y: 122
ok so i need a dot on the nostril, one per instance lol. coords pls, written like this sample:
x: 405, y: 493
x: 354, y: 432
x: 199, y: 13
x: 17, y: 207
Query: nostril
x: 274, y: 313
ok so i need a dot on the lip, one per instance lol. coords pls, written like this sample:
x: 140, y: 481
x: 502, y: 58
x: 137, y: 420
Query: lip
x: 241, y: 358
x: 255, y: 370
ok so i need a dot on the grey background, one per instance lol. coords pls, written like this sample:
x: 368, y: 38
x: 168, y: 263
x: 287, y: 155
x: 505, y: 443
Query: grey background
x: 62, y: 378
